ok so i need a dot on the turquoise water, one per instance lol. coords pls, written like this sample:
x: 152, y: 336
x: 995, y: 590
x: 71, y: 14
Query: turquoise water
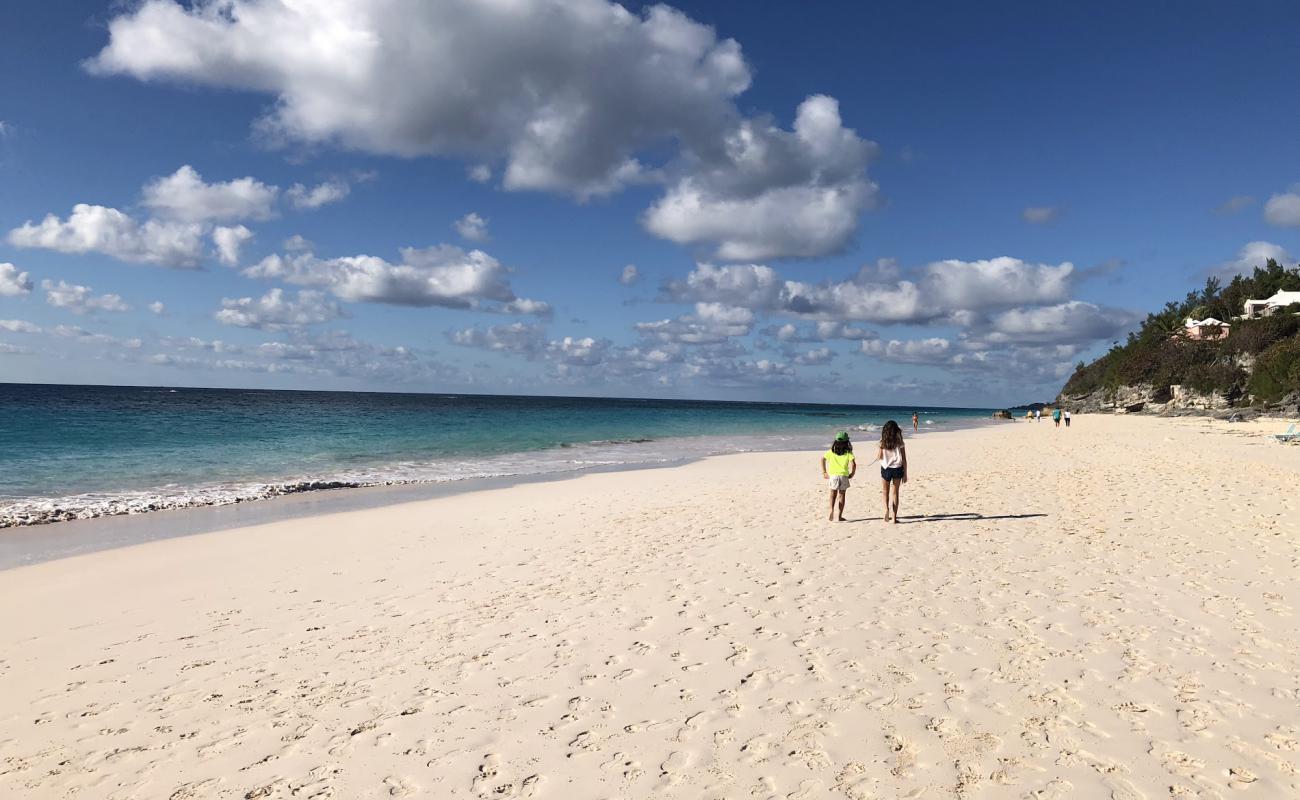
x: 84, y: 451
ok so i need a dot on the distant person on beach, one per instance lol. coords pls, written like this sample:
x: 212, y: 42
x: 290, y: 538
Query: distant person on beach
x: 1067, y: 419
x: 916, y: 421
x: 1038, y: 415
x: 838, y: 466
x: 893, y: 465
x: 1056, y: 416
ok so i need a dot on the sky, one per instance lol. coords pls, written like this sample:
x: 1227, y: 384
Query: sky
x: 939, y: 204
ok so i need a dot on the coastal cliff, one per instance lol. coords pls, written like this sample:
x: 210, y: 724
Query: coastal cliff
x: 1174, y: 364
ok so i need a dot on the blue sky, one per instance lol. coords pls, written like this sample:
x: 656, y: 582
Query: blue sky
x: 943, y: 204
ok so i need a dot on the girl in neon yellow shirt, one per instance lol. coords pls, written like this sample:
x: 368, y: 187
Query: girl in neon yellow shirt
x: 838, y: 466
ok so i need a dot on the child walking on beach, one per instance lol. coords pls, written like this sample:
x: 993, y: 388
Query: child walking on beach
x: 838, y: 465
x: 893, y: 464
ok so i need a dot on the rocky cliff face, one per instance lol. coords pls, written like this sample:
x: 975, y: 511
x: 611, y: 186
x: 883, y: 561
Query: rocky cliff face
x: 1173, y: 400
x: 1145, y: 398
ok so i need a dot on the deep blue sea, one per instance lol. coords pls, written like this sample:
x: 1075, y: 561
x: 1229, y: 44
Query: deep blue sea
x: 84, y: 451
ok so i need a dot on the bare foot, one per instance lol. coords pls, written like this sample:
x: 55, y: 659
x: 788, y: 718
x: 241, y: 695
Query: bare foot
x: 841, y: 519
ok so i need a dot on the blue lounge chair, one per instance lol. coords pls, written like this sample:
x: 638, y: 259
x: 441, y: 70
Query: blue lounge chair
x: 1290, y: 436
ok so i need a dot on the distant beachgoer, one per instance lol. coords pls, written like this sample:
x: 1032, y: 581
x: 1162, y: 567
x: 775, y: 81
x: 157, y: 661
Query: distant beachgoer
x: 1056, y: 416
x: 916, y: 421
x: 1038, y: 415
x: 1067, y: 419
x: 893, y: 465
x: 838, y: 466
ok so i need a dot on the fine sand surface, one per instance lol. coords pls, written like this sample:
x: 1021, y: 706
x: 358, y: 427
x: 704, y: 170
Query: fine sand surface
x: 1105, y: 611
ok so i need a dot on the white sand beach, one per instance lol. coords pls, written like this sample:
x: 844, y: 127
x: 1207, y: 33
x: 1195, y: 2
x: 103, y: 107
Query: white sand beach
x: 1103, y: 611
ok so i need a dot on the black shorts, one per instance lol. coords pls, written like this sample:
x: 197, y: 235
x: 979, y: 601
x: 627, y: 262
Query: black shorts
x: 891, y: 473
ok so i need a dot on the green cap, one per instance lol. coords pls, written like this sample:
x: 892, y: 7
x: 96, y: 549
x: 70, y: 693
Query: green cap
x: 842, y: 437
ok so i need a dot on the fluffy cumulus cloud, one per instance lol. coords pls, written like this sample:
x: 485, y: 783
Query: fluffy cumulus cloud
x: 472, y: 226
x: 1251, y: 255
x: 1064, y: 323
x: 711, y: 323
x: 278, y: 310
x: 80, y: 299
x: 934, y: 350
x: 519, y: 337
x: 1284, y: 209
x: 571, y: 96
x: 229, y: 241
x: 443, y: 275
x: 12, y: 282
x: 943, y: 290
x: 18, y: 326
x: 629, y: 275
x: 322, y: 194
x: 157, y: 307
x: 185, y: 196
x: 772, y: 193
x: 97, y: 229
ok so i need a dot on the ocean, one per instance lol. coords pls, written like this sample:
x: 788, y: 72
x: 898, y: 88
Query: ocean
x: 76, y: 452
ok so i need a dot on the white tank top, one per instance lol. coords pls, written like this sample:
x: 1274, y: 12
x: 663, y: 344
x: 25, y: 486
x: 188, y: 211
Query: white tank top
x: 890, y: 459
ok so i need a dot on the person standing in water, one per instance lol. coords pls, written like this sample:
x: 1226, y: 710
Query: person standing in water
x: 893, y: 466
x: 916, y: 422
x: 838, y: 466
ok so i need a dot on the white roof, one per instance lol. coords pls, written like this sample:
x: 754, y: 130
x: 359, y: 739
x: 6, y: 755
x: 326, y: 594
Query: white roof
x: 1279, y: 299
x: 1196, y: 323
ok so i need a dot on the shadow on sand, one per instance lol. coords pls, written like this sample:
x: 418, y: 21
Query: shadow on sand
x: 969, y: 515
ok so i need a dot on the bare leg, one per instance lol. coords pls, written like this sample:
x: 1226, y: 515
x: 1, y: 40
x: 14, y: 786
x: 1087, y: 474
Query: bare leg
x: 833, y: 493
x: 885, y: 485
x: 898, y: 485
x: 844, y: 495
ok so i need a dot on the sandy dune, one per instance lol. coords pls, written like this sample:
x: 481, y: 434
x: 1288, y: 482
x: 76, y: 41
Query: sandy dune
x: 1105, y: 611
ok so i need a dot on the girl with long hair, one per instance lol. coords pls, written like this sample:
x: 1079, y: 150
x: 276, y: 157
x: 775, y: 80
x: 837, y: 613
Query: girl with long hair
x: 893, y: 466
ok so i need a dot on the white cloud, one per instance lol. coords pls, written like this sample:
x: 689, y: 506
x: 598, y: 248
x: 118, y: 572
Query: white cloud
x: 12, y: 282
x: 297, y: 243
x: 18, y: 326
x: 1073, y: 322
x: 710, y: 324
x: 472, y: 227
x: 1284, y: 209
x: 815, y: 357
x: 229, y: 241
x: 277, y: 311
x: 97, y: 229
x: 934, y: 350
x: 185, y: 196
x: 322, y: 194
x: 1040, y: 215
x: 15, y: 349
x: 952, y: 289
x: 629, y: 275
x: 774, y: 193
x: 437, y: 276
x: 1234, y: 204
x: 518, y: 337
x: 80, y: 299
x: 570, y: 96
x: 158, y: 308
x: 1252, y: 254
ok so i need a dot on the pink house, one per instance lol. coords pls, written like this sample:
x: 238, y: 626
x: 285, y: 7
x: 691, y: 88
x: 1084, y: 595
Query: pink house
x: 1209, y: 329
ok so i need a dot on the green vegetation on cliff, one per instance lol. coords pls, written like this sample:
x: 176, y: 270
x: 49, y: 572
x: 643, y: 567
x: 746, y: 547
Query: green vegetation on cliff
x: 1259, y: 358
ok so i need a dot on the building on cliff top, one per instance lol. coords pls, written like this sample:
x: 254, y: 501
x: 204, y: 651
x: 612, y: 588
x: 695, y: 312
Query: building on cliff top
x: 1267, y: 308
